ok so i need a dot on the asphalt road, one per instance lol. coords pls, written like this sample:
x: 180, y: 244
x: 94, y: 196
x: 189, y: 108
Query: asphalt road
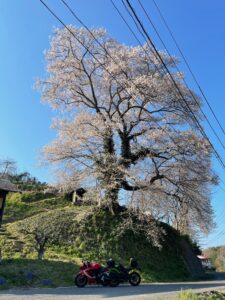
x: 125, y: 292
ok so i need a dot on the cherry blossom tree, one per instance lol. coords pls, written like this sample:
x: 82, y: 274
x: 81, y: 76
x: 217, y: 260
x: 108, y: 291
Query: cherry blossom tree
x: 122, y: 123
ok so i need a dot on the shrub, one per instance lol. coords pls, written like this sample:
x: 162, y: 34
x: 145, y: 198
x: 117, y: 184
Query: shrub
x: 35, y: 196
x: 186, y: 295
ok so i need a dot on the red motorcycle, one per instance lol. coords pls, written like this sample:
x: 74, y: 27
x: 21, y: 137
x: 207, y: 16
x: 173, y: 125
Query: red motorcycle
x: 95, y: 273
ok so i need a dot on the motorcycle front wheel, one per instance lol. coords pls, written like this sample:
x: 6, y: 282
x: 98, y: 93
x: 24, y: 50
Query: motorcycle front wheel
x: 114, y: 280
x: 104, y: 280
x: 134, y: 278
x: 80, y: 280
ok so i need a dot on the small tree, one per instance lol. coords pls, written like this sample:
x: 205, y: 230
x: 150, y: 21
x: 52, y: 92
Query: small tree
x: 40, y: 238
x: 55, y: 227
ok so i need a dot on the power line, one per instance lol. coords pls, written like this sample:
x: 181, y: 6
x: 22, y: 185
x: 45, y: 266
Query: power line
x: 176, y: 67
x: 79, y: 41
x: 120, y: 14
x: 69, y: 29
x: 220, y: 218
x: 82, y: 43
x: 82, y: 23
x: 138, y: 27
x: 175, y: 84
x: 72, y: 33
x: 157, y: 68
x: 165, y: 66
x: 187, y: 64
x: 215, y: 152
x: 191, y: 93
x: 217, y: 236
x: 86, y: 27
x: 222, y: 181
x: 124, y: 20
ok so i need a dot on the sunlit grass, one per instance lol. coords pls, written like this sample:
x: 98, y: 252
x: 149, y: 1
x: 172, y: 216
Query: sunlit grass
x: 36, y: 273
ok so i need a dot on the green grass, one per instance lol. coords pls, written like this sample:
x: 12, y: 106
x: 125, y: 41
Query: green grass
x: 186, y: 295
x: 46, y: 272
x: 17, y: 209
x: 189, y: 295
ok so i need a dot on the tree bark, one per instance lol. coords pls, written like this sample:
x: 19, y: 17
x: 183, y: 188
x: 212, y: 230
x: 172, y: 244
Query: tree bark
x: 40, y: 253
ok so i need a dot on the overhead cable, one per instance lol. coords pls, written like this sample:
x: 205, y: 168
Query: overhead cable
x: 186, y: 62
x: 190, y: 91
x: 174, y: 83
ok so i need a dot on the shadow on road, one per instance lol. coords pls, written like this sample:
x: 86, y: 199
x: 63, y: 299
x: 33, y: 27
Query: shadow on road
x: 219, y: 275
x: 120, y: 291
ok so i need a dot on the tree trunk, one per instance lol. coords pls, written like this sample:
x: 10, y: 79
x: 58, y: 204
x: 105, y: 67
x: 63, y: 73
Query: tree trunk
x: 125, y: 149
x: 108, y: 142
x: 40, y: 242
x: 40, y: 253
x: 110, y: 179
x: 112, y: 195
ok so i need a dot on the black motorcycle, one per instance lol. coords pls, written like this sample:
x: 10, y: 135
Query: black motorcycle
x: 130, y: 274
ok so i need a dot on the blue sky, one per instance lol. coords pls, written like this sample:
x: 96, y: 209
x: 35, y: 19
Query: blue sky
x: 25, y: 28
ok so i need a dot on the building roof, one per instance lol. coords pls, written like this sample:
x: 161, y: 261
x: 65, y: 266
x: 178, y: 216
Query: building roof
x: 8, y: 186
x: 202, y: 257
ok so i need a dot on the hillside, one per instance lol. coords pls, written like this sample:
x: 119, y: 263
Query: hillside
x: 76, y: 232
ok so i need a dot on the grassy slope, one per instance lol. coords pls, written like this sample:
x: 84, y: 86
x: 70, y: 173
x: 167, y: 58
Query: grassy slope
x: 92, y: 233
